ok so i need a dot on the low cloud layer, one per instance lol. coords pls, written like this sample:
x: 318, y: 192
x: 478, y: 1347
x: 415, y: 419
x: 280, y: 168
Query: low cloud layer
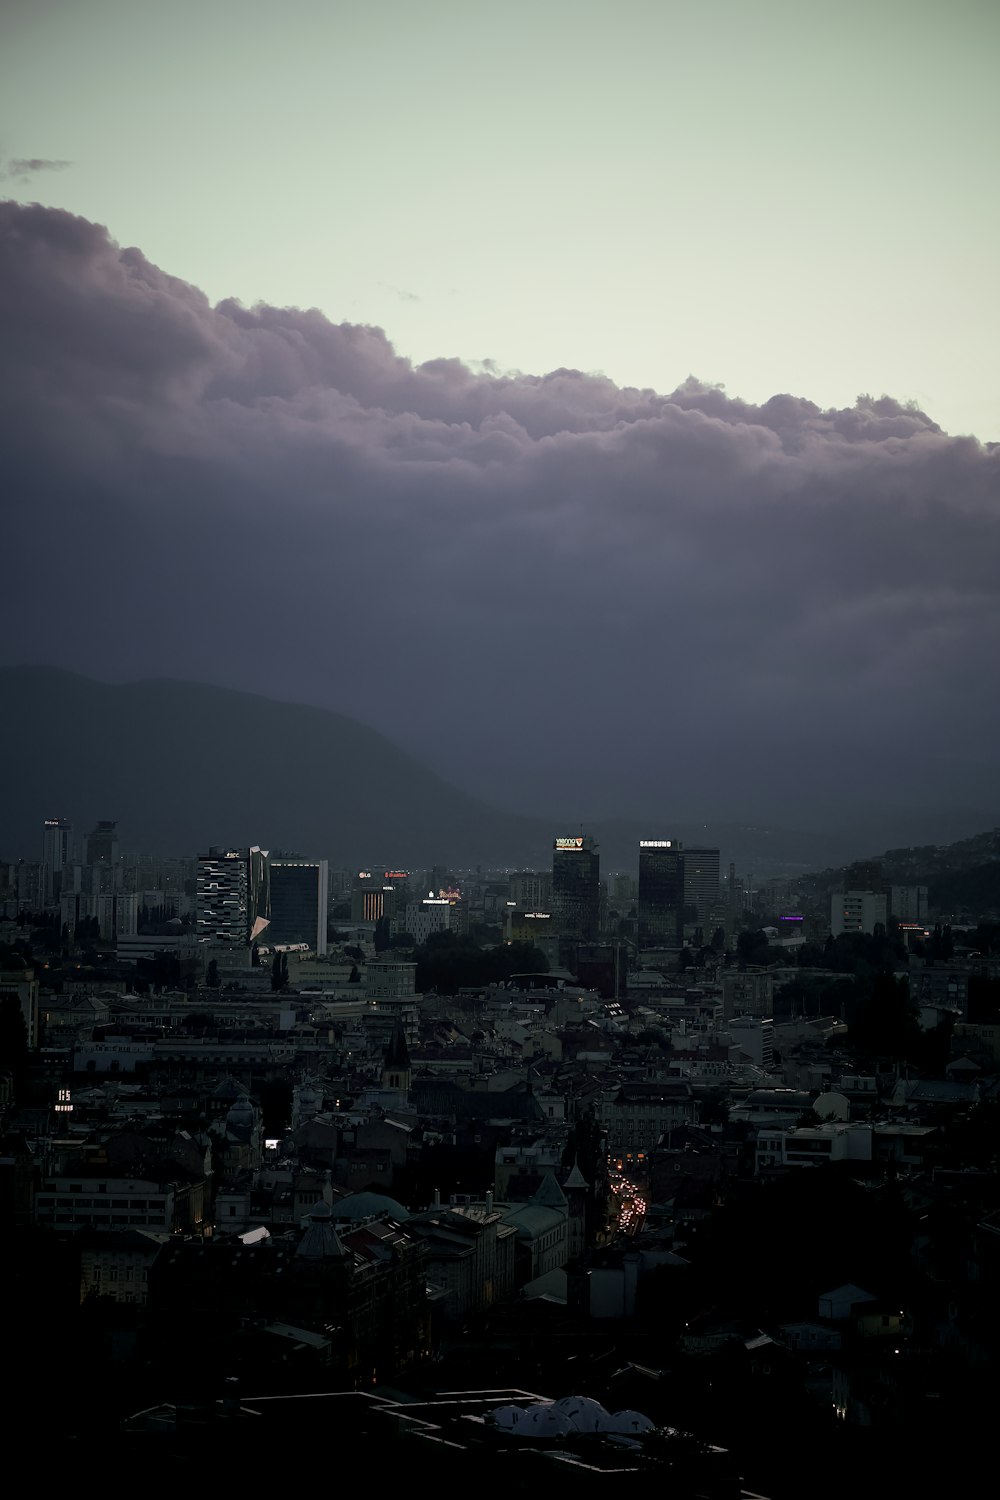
x: 564, y: 593
x: 24, y: 167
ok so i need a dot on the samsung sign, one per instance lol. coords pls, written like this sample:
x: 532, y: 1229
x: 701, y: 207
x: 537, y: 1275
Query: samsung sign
x: 656, y: 843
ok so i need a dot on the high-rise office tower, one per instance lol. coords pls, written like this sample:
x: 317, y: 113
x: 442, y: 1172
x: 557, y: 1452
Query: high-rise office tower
x: 102, y: 844
x: 857, y: 911
x: 57, y: 853
x: 908, y: 903
x: 222, y: 895
x: 661, y: 892
x: 299, y: 902
x: 397, y: 883
x: 701, y: 882
x: 233, y: 895
x: 372, y: 897
x: 576, y: 887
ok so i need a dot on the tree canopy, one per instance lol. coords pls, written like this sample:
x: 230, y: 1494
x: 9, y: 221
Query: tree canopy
x: 448, y: 962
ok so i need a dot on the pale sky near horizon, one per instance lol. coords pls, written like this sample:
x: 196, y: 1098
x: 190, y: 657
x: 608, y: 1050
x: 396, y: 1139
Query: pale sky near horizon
x: 772, y: 196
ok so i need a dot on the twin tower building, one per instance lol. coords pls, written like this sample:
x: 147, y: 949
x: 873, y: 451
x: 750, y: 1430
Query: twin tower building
x: 676, y: 885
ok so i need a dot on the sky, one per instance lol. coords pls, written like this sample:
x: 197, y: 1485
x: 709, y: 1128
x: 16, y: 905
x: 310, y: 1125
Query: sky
x: 596, y: 400
x: 781, y: 196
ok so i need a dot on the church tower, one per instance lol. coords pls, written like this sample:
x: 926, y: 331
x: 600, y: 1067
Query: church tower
x: 396, y: 1068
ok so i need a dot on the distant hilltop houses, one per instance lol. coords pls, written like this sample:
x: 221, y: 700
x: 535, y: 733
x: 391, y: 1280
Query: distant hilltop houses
x: 348, y: 1128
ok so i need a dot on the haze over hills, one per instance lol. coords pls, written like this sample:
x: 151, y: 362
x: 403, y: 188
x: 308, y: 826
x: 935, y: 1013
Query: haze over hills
x: 182, y: 765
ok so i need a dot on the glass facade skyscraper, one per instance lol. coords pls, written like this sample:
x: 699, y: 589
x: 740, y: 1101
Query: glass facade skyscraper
x: 299, y: 901
x: 701, y: 882
x: 661, y: 892
x: 57, y: 853
x: 576, y: 887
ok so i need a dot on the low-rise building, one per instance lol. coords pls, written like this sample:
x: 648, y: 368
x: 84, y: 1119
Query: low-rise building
x: 91, y: 1196
x: 639, y: 1114
x: 470, y: 1255
x: 116, y: 1263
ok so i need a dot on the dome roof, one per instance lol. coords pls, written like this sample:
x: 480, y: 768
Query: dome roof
x: 369, y: 1206
x: 546, y: 1421
x: 583, y: 1413
x: 571, y: 1414
x: 629, y: 1423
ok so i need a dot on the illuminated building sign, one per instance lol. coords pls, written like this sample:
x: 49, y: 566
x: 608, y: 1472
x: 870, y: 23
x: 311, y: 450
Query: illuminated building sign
x: 544, y: 916
x: 656, y: 843
x: 395, y: 874
x: 790, y: 919
x: 576, y: 843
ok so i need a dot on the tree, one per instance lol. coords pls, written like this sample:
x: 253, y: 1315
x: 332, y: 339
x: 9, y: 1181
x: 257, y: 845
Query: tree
x: 941, y: 948
x: 276, y: 1106
x: 713, y: 1107
x: 983, y: 1007
x: 987, y: 937
x: 752, y: 948
x: 199, y: 1020
x: 810, y: 956
x: 449, y: 961
x: 718, y: 943
x: 884, y: 1024
x: 212, y: 975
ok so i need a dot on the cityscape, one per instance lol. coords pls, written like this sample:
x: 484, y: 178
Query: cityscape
x: 630, y: 1169
x: 500, y: 746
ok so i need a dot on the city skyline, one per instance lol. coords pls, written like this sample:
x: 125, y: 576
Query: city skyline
x: 500, y: 832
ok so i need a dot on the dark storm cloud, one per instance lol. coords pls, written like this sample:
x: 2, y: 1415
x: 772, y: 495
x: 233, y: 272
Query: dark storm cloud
x: 610, y: 595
